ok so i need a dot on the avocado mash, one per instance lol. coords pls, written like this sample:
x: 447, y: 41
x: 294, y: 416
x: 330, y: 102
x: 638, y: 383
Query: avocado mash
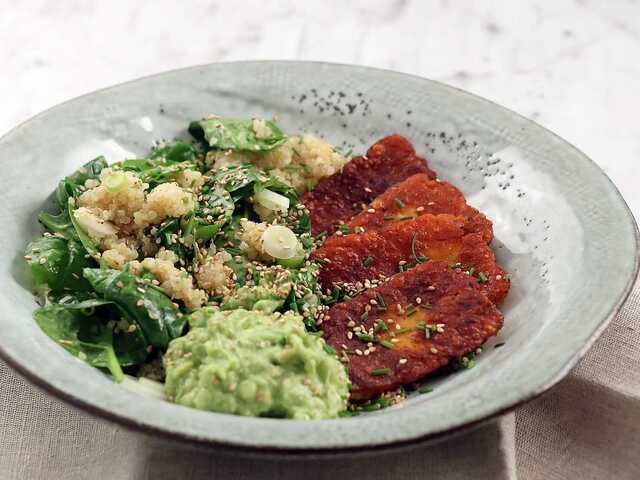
x: 254, y: 363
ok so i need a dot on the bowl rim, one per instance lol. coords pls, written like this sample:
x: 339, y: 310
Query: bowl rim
x: 387, y: 446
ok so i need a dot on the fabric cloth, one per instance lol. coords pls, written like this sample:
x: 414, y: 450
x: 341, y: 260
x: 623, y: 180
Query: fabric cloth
x: 587, y: 427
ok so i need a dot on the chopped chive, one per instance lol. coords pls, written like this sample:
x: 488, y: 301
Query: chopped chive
x: 368, y: 261
x: 420, y: 325
x: 343, y: 228
x: 426, y: 306
x: 498, y: 345
x: 329, y: 349
x: 410, y: 309
x: 381, y: 304
x: 403, y: 330
x: 358, y: 229
x: 399, y: 202
x: 378, y: 372
x: 348, y: 413
x: 365, y: 315
x: 482, y: 277
x: 425, y: 389
x: 418, y: 258
x: 381, y: 326
x: 507, y: 277
x: 386, y: 344
x: 365, y: 338
x: 388, y: 218
x: 406, y: 217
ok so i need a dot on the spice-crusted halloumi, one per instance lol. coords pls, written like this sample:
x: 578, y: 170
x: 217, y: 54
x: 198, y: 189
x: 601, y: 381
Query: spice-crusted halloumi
x: 419, y: 195
x: 342, y: 195
x: 410, y: 326
x: 379, y: 254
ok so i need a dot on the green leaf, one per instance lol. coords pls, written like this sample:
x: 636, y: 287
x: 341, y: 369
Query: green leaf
x: 213, y: 212
x: 175, y: 152
x: 148, y: 306
x: 84, y: 338
x: 130, y: 345
x: 60, y: 223
x: 58, y: 263
x: 235, y: 134
x: 69, y: 186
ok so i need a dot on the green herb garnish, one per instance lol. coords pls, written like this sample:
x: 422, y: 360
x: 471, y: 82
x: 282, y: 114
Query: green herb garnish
x: 378, y: 372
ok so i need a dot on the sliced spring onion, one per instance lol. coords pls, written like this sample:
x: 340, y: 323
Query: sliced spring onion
x: 280, y: 242
x: 116, y: 182
x: 272, y: 201
x: 295, y: 261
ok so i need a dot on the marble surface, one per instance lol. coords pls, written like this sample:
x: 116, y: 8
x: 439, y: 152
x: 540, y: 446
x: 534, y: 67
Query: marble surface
x: 569, y: 65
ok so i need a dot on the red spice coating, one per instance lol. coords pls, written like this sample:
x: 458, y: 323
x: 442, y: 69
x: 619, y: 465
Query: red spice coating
x: 344, y: 194
x: 467, y: 319
x: 436, y: 237
x: 419, y: 195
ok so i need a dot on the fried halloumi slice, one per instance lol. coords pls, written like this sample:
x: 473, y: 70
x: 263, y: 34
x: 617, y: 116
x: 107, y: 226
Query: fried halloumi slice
x: 419, y: 195
x: 408, y: 327
x: 350, y: 260
x: 339, y: 197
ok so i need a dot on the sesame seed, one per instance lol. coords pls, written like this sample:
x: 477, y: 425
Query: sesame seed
x: 358, y: 351
x: 419, y: 209
x: 140, y: 303
x: 418, y: 300
x: 498, y: 277
x: 371, y: 210
x: 433, y: 350
x: 402, y: 361
x: 431, y: 288
x: 349, y: 335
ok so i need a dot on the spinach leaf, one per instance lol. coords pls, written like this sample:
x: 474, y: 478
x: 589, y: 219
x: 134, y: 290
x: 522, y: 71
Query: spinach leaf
x: 58, y: 262
x: 242, y: 181
x: 175, y: 152
x: 236, y: 134
x: 163, y: 164
x: 214, y: 210
x: 86, y: 339
x: 70, y: 186
x: 148, y: 306
x: 130, y: 344
x: 60, y: 224
x: 153, y: 173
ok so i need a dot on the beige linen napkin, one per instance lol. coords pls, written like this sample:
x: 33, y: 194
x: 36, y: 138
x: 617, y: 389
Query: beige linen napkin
x: 588, y: 427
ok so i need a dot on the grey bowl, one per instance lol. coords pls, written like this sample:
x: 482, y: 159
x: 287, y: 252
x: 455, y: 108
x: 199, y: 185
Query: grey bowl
x: 561, y: 229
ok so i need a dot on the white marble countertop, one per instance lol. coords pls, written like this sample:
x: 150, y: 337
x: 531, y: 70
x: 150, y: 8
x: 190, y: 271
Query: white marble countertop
x: 569, y: 65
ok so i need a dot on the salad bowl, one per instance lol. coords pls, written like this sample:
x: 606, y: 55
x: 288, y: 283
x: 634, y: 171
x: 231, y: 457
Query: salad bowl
x: 561, y: 229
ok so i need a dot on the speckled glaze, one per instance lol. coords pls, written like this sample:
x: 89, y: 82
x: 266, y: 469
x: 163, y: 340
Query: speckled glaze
x: 561, y: 229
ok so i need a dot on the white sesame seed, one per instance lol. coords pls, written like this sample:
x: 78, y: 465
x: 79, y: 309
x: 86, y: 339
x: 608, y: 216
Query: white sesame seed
x: 498, y: 277
x: 431, y: 288
x: 402, y: 361
x: 419, y: 209
x: 371, y: 210
x: 349, y: 335
x: 433, y: 350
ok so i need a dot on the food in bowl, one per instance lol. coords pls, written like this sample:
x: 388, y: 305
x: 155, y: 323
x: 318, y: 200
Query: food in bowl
x: 258, y: 274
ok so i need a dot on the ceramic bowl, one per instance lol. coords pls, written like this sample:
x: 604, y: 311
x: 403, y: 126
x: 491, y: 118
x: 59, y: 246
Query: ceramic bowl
x: 561, y: 229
